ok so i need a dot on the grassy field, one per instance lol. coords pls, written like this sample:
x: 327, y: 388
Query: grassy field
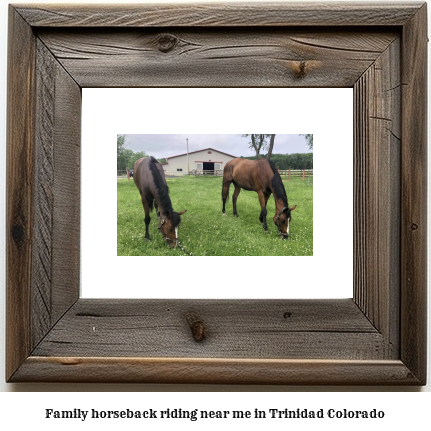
x: 205, y: 231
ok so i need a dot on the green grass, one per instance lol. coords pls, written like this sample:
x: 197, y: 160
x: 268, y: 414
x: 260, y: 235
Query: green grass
x: 205, y: 231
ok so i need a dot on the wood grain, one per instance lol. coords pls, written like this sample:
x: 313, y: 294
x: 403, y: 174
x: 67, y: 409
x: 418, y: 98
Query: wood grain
x: 43, y: 184
x: 215, y: 371
x: 377, y: 192
x: 214, y: 57
x: 221, y: 15
x: 67, y: 198
x: 379, y: 337
x: 55, y: 279
x: 234, y: 329
x: 20, y: 195
x: 413, y: 195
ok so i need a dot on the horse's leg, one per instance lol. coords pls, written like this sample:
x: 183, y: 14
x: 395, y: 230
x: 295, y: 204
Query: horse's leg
x: 146, y: 206
x: 234, y: 199
x: 225, y: 194
x: 157, y: 210
x: 263, y: 199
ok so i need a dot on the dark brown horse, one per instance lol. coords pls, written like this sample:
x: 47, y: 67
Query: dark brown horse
x: 262, y: 177
x: 150, y: 180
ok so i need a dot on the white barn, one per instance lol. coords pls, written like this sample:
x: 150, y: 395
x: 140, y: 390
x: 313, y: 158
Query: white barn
x: 208, y: 159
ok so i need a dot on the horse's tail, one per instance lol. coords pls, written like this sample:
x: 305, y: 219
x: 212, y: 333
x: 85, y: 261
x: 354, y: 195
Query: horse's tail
x: 227, y: 192
x: 227, y: 179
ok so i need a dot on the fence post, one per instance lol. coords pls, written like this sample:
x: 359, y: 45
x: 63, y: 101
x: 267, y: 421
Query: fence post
x: 303, y: 175
x: 288, y: 177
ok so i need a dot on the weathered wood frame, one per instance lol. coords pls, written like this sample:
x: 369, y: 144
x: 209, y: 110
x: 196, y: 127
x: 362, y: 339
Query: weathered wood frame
x: 378, y: 337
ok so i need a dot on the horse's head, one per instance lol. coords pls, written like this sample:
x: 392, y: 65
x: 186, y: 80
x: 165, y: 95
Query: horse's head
x: 168, y: 227
x: 282, y: 221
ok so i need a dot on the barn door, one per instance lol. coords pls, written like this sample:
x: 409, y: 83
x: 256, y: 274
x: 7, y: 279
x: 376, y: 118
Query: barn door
x: 208, y: 168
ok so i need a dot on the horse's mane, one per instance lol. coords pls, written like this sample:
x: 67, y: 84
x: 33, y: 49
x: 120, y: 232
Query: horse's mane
x: 161, y: 187
x: 277, y: 185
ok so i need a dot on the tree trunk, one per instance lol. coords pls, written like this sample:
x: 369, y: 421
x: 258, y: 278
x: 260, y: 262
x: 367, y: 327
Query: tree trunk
x: 256, y: 146
x: 271, y: 146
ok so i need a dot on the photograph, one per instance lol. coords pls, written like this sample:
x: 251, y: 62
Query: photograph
x: 226, y: 195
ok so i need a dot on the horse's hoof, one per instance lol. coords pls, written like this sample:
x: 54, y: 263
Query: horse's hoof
x: 224, y: 214
x: 147, y: 239
x: 266, y: 232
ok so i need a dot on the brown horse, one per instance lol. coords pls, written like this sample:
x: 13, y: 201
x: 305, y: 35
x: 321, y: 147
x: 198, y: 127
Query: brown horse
x: 150, y: 180
x: 262, y: 177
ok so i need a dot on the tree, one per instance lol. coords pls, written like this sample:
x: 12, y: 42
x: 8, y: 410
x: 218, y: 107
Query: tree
x: 134, y: 157
x: 120, y: 144
x: 290, y: 161
x: 258, y: 143
x: 123, y: 160
x: 126, y: 158
x: 309, y: 139
x: 271, y: 146
x: 122, y: 155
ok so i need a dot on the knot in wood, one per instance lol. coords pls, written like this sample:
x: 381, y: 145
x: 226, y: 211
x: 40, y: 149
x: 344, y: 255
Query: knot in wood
x: 414, y: 226
x: 18, y: 233
x: 300, y: 69
x: 197, y: 328
x: 167, y: 42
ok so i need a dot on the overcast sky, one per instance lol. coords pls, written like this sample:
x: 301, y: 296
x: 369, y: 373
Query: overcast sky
x: 164, y: 146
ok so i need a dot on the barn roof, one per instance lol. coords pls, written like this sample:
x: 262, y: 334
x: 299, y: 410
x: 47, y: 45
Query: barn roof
x: 203, y: 149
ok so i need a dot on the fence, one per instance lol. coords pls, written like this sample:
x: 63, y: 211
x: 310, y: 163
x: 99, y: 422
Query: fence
x: 291, y: 174
x: 216, y: 172
x: 298, y: 174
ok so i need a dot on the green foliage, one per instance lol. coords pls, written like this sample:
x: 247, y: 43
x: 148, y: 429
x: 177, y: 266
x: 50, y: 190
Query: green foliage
x: 134, y: 157
x: 293, y: 161
x: 290, y: 161
x: 309, y: 139
x: 266, y: 142
x: 120, y: 144
x: 126, y: 158
x: 258, y: 142
x: 204, y: 231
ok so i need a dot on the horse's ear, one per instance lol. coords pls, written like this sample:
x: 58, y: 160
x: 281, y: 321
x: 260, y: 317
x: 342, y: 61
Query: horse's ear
x: 291, y: 209
x: 182, y: 212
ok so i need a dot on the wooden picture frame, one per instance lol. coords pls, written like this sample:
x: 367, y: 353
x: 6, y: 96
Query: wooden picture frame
x: 376, y: 338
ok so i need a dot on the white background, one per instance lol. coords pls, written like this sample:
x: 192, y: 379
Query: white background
x: 107, y: 112
x: 405, y: 409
